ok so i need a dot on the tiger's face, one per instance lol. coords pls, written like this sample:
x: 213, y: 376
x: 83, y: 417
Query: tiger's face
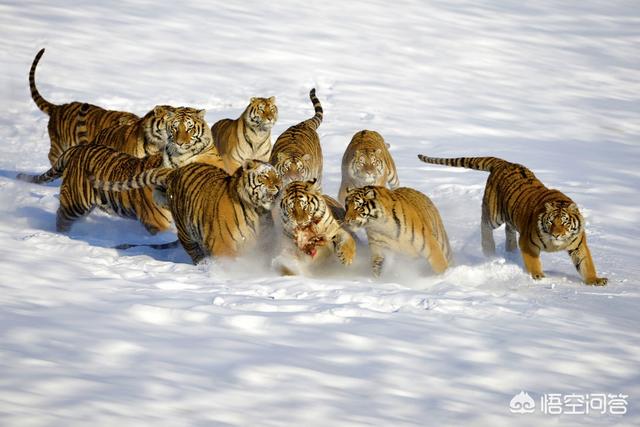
x: 155, y: 125
x: 367, y: 166
x: 293, y: 167
x: 261, y: 184
x: 262, y: 113
x: 187, y: 131
x: 560, y: 223
x: 362, y: 207
x: 300, y: 204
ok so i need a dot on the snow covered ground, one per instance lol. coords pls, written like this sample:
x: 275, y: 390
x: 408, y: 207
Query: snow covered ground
x: 94, y: 336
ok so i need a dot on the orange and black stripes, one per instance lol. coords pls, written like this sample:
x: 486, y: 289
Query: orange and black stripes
x: 297, y: 153
x: 545, y: 219
x: 63, y: 118
x: 81, y: 165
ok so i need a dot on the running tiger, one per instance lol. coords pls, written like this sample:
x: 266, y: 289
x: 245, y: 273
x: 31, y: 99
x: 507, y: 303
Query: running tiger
x: 78, y: 197
x: 313, y: 222
x: 216, y: 214
x: 367, y: 161
x: 546, y: 219
x: 297, y: 154
x: 63, y: 118
x: 402, y: 220
x: 247, y: 137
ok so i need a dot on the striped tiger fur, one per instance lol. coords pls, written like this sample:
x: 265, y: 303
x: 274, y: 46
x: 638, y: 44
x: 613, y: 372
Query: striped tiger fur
x: 143, y: 137
x: 78, y: 197
x: 63, y: 118
x: 545, y: 219
x: 367, y: 161
x: 297, y: 154
x: 313, y: 221
x: 402, y: 220
x: 247, y: 137
x: 216, y: 214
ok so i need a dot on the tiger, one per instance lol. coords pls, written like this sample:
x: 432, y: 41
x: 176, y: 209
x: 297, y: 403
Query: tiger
x: 297, y: 154
x: 186, y: 132
x: 401, y: 220
x: 216, y: 214
x: 312, y: 222
x: 545, y: 219
x: 78, y: 197
x: 367, y: 161
x: 63, y: 118
x: 248, y: 136
x: 143, y: 137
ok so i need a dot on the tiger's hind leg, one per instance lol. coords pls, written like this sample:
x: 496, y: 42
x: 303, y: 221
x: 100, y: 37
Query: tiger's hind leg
x: 486, y: 231
x: 436, y: 257
x: 72, y: 207
x: 511, y: 241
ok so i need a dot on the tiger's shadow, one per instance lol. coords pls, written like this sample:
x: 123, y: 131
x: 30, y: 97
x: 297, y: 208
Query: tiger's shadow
x: 104, y: 231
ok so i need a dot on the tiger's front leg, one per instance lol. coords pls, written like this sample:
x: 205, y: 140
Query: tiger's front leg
x: 581, y: 257
x: 345, y: 247
x: 377, y: 259
x: 531, y: 258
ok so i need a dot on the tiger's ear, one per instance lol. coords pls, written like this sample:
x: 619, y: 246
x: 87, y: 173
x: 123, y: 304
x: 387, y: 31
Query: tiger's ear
x: 387, y: 145
x: 573, y: 208
x: 160, y: 110
x: 370, y: 194
x: 306, y: 157
x: 253, y: 99
x: 248, y: 164
x: 201, y: 113
x: 272, y: 99
x: 312, y: 181
x: 549, y: 207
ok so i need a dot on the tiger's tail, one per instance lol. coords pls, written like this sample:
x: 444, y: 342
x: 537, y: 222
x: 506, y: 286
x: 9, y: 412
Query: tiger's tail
x: 149, y: 178
x: 169, y: 245
x: 315, y: 121
x: 54, y: 173
x: 477, y: 163
x: 42, y: 103
x: 82, y: 132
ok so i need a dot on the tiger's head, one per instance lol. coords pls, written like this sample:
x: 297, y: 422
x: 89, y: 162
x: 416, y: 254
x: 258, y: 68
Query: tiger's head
x: 155, y: 125
x: 560, y: 222
x: 293, y: 167
x: 261, y: 113
x: 187, y: 133
x: 259, y: 184
x: 300, y: 204
x: 367, y: 166
x: 362, y: 206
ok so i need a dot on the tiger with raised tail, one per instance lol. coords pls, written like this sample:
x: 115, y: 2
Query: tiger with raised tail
x: 367, y: 161
x: 545, y: 219
x: 402, y: 220
x: 63, y: 119
x: 216, y: 214
x: 297, y: 154
x: 312, y: 222
x: 248, y: 136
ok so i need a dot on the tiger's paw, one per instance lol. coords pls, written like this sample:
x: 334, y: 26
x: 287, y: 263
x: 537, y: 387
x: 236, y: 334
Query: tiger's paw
x: 537, y: 276
x: 597, y: 281
x: 347, y: 252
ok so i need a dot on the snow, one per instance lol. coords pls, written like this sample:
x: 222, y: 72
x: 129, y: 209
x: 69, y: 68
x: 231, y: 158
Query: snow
x: 93, y: 335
